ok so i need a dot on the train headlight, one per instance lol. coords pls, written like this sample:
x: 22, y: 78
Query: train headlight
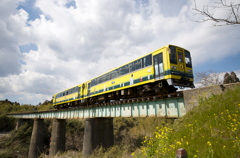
x: 174, y: 67
x: 190, y: 71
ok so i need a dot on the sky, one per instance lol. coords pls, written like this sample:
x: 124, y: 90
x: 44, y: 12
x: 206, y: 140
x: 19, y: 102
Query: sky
x: 48, y: 46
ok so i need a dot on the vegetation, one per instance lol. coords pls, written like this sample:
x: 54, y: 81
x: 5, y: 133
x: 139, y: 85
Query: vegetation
x: 17, y: 143
x: 232, y: 78
x: 7, y: 106
x: 210, y: 78
x: 74, y: 134
x: 129, y: 134
x: 210, y: 130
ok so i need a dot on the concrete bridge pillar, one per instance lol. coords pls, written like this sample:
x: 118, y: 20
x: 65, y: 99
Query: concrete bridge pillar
x: 36, y: 144
x: 97, y: 132
x: 57, y: 143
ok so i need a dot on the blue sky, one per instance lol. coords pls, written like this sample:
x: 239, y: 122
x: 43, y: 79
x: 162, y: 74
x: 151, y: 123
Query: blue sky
x: 47, y: 46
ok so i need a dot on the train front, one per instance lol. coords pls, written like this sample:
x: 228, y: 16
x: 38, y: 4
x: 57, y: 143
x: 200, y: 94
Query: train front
x: 180, y: 67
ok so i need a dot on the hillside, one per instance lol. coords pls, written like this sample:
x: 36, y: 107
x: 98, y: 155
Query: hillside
x: 210, y: 130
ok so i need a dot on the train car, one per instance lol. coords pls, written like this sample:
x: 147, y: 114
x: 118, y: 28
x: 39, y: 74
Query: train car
x: 158, y: 72
x: 66, y: 96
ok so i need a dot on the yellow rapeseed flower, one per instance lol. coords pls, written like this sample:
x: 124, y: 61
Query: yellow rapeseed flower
x: 179, y: 143
x: 209, y: 143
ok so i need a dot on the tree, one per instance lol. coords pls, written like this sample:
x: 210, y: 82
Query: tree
x: 208, y: 78
x: 227, y: 78
x: 232, y: 8
x: 232, y: 78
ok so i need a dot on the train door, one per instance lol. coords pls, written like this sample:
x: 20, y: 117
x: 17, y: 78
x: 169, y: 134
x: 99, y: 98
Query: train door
x: 89, y: 88
x: 83, y: 90
x: 181, y: 63
x: 55, y: 98
x: 79, y: 92
x: 158, y: 66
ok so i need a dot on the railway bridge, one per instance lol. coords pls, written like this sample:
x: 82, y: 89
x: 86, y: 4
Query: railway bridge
x: 99, y: 118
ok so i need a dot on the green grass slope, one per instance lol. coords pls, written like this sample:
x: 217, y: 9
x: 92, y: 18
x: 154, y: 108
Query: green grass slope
x: 210, y: 130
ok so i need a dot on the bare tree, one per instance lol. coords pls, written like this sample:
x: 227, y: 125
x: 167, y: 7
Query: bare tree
x: 233, y: 12
x: 208, y: 78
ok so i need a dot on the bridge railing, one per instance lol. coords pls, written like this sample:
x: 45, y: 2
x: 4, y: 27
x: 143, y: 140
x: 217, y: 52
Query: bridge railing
x: 171, y: 108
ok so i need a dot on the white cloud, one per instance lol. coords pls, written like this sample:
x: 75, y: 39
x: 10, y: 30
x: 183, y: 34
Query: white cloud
x: 78, y: 43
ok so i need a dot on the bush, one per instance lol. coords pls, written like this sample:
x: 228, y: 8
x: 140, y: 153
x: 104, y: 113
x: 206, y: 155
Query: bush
x: 7, y: 123
x: 17, y: 143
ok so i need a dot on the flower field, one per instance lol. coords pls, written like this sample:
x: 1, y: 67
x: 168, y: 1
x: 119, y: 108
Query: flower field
x: 210, y: 130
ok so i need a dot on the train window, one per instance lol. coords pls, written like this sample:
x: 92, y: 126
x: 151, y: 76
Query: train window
x: 138, y: 64
x: 188, y: 59
x: 173, y: 55
x: 131, y: 67
x: 108, y: 76
x: 117, y: 72
x: 180, y: 57
x: 75, y: 89
x: 104, y: 78
x: 97, y: 80
x: 147, y: 60
x: 92, y: 83
x: 114, y: 74
x: 121, y: 71
x: 126, y: 69
x: 89, y: 85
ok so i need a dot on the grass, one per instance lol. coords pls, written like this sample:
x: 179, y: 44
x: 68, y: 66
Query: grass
x: 210, y: 130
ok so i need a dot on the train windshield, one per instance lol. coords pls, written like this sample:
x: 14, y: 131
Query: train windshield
x: 188, y: 59
x: 173, y: 55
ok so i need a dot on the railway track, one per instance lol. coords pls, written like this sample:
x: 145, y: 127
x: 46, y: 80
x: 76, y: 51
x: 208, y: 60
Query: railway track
x: 131, y: 100
x: 116, y: 102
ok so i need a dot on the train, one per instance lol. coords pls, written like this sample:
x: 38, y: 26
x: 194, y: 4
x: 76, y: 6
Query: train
x: 162, y: 71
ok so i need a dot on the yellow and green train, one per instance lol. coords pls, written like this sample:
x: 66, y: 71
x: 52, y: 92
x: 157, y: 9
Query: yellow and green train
x: 157, y: 72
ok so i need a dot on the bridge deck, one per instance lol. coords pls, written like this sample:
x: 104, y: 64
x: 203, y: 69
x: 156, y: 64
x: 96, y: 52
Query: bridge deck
x: 171, y: 108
